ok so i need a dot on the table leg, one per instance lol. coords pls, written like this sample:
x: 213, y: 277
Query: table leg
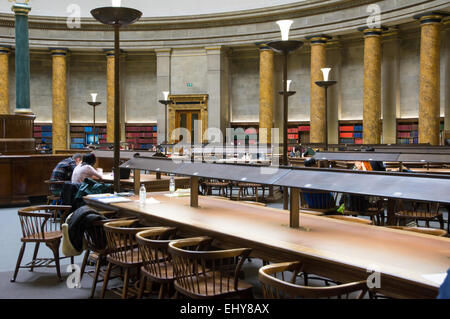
x: 194, y: 191
x: 294, y: 217
x: 391, y: 212
x: 137, y: 180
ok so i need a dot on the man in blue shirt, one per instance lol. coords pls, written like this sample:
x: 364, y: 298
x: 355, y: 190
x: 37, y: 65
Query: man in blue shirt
x: 63, y: 172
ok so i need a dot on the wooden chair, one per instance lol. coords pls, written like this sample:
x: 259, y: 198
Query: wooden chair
x: 122, y: 251
x: 51, y: 197
x: 97, y: 247
x: 351, y: 219
x: 421, y: 230
x: 42, y: 224
x: 157, y: 263
x: 325, y: 203
x: 210, y: 185
x: 279, y: 288
x: 361, y: 206
x: 208, y: 274
x: 245, y: 187
x: 419, y: 211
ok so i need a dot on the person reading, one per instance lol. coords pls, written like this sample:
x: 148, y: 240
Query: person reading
x: 86, y: 169
x: 63, y: 172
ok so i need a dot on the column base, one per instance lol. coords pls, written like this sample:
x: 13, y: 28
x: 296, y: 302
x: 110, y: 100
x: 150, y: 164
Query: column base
x: 24, y: 111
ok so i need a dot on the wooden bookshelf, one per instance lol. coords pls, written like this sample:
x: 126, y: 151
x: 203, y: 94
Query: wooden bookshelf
x: 408, y: 130
x: 42, y: 133
x: 80, y: 131
x: 250, y: 134
x: 142, y: 136
x: 298, y: 133
x: 350, y: 132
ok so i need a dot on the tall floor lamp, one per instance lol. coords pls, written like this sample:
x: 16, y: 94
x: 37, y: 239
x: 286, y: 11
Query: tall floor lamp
x: 285, y: 46
x: 116, y: 16
x: 165, y: 102
x: 94, y: 104
x: 326, y: 84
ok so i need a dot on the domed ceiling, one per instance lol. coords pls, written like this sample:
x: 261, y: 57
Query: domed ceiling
x: 150, y: 8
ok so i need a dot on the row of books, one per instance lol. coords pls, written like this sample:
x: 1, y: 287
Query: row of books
x: 414, y: 140
x: 350, y: 134
x: 141, y: 134
x: 141, y: 128
x: 42, y: 128
x: 351, y: 128
x: 405, y: 127
x: 408, y: 134
x: 142, y: 140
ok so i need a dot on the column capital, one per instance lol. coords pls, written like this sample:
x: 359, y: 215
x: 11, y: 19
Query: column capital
x: 58, y: 51
x: 318, y: 38
x: 431, y: 17
x: 110, y: 53
x: 163, y: 52
x: 5, y: 49
x: 370, y: 32
x: 21, y: 8
x: 262, y: 45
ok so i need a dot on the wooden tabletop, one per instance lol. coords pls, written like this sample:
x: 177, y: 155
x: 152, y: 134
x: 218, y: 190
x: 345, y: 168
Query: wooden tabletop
x: 145, y: 178
x: 336, y: 248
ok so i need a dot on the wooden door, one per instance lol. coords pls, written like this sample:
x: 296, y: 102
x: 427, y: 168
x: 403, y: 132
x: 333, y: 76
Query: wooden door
x: 187, y: 119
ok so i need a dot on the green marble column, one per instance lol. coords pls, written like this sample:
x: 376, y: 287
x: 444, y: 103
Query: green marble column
x: 21, y: 11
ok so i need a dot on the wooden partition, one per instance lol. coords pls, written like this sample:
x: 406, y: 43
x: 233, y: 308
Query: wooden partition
x: 24, y: 176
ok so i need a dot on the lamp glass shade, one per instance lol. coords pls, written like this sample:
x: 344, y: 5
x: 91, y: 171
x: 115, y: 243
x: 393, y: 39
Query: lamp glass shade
x: 285, y: 26
x: 94, y: 97
x: 326, y: 73
x: 166, y: 95
x: 288, y: 85
x: 116, y: 3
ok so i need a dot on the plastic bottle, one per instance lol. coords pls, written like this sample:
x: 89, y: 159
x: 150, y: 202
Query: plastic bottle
x: 172, y: 185
x: 142, y: 194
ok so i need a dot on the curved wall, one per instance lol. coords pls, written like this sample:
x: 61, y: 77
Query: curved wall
x: 217, y: 54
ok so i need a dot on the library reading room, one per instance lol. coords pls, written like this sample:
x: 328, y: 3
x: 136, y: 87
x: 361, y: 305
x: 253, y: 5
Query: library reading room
x: 250, y: 150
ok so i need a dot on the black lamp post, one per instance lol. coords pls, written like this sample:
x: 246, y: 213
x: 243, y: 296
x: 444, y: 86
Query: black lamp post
x: 165, y: 102
x: 285, y: 47
x: 326, y: 84
x: 94, y: 104
x: 117, y: 17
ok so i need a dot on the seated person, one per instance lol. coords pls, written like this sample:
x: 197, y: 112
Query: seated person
x: 86, y: 169
x: 318, y: 200
x: 63, y: 172
x: 159, y: 152
x: 309, y: 152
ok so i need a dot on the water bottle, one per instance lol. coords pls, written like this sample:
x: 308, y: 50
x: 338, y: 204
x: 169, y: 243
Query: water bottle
x: 172, y: 185
x: 142, y: 194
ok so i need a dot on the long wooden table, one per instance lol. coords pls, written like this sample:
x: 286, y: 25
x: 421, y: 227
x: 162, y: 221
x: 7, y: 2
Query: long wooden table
x: 338, y: 249
x: 151, y: 182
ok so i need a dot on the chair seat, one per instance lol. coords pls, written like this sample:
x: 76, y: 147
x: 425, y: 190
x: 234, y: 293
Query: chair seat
x: 421, y: 215
x: 167, y: 273
x: 133, y: 259
x: 214, y: 288
x: 49, y: 236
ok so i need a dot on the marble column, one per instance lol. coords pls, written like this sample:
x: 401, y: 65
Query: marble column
x: 22, y: 61
x: 4, y: 79
x: 429, y: 90
x: 110, y: 96
x: 372, y: 85
x: 59, y: 99
x: 266, y: 92
x: 317, y: 100
x: 447, y: 77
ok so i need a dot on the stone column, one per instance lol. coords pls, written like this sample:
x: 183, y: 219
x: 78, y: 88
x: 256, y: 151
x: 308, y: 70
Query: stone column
x: 217, y: 76
x: 317, y: 103
x: 59, y: 99
x: 372, y: 85
x: 163, y: 84
x: 110, y: 96
x: 429, y: 91
x: 22, y: 61
x: 266, y: 92
x: 4, y: 79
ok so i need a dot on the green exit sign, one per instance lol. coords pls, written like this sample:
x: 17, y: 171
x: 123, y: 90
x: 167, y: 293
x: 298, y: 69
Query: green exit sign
x: 189, y: 84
